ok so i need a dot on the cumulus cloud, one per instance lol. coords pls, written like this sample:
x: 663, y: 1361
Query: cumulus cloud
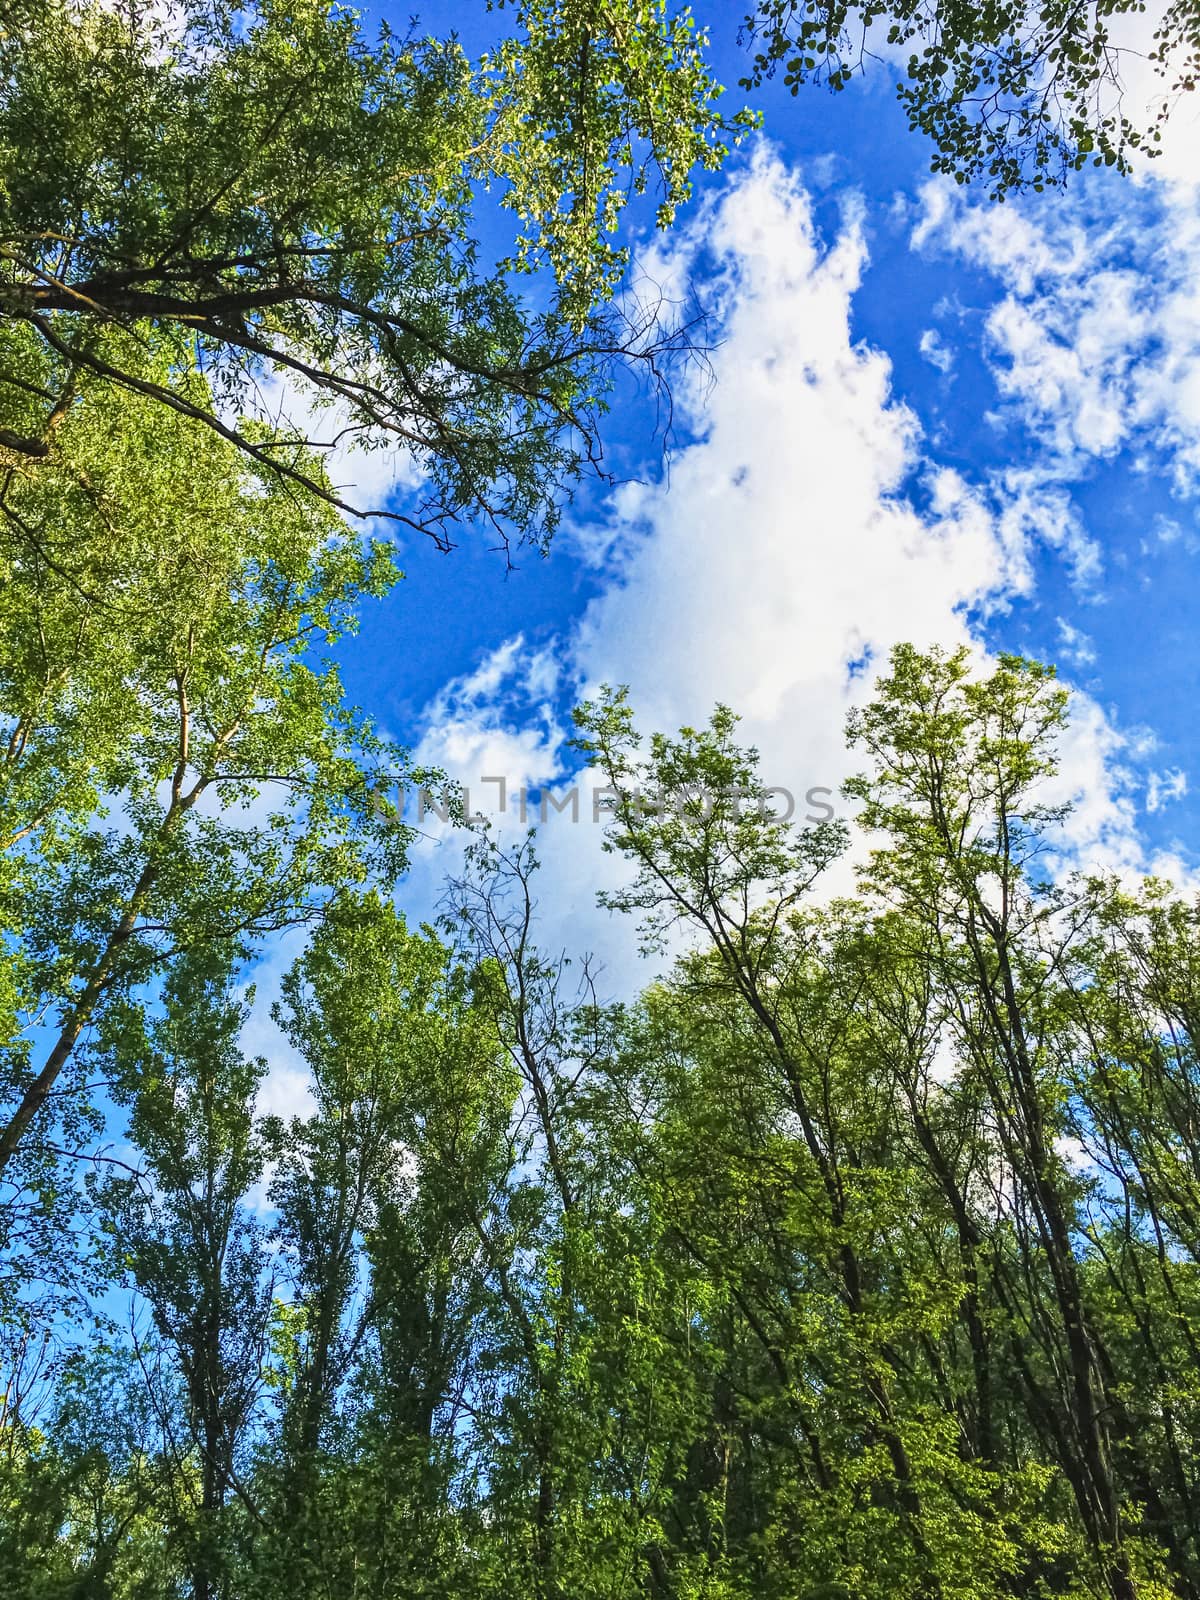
x: 802, y: 535
x: 786, y: 549
x: 1095, y: 345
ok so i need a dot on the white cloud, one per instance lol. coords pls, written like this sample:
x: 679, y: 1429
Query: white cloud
x: 495, y: 723
x: 935, y: 352
x: 1000, y: 237
x: 1033, y: 512
x: 1075, y: 646
x: 1163, y: 787
x: 784, y: 546
x: 1095, y: 345
x: 783, y: 560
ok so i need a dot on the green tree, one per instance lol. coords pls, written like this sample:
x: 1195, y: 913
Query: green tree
x: 1010, y: 94
x: 282, y: 199
x: 189, y: 1245
x: 379, y: 1194
x: 858, y: 1257
x: 958, y: 766
x: 562, y: 1509
x: 82, y: 1495
x: 785, y: 1184
x: 178, y: 766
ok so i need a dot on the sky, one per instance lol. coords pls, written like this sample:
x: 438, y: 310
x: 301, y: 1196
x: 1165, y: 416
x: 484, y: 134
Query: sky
x: 927, y: 417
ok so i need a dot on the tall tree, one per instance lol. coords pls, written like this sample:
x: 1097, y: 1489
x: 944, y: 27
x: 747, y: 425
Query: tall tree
x: 161, y: 623
x: 284, y: 200
x: 777, y: 1012
x: 190, y: 1246
x: 379, y: 1195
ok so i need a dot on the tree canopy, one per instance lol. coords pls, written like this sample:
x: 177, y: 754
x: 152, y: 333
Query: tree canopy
x: 292, y: 206
x: 856, y: 1257
x: 1011, y: 94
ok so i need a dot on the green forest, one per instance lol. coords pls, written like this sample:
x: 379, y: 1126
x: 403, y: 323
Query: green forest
x: 855, y: 1258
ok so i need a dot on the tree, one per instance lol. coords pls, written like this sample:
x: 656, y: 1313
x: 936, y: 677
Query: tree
x: 379, y: 1195
x: 555, y: 1451
x: 168, y: 676
x: 284, y: 201
x: 807, y: 1166
x: 856, y: 1257
x: 958, y: 766
x: 1011, y: 94
x: 83, y: 1494
x: 195, y: 1255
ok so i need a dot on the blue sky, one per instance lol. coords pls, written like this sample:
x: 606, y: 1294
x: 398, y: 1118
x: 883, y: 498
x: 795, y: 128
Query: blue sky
x: 931, y: 418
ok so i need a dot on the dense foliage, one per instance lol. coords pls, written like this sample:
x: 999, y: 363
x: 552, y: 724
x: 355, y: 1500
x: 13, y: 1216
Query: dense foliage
x: 292, y: 204
x: 858, y: 1257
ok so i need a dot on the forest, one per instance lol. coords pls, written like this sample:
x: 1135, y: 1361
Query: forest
x: 854, y: 1257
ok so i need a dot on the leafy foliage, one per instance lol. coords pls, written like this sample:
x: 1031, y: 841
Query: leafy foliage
x: 1010, y: 94
x: 286, y: 202
x: 857, y: 1257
